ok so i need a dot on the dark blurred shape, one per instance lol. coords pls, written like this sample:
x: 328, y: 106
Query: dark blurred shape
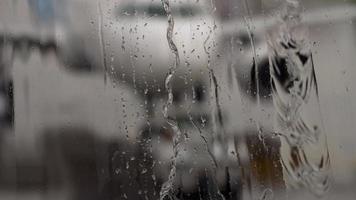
x: 266, y: 168
x: 6, y: 104
x: 95, y: 168
x: 263, y: 80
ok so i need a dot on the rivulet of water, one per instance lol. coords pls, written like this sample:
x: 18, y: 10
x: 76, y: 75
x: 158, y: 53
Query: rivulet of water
x: 102, y: 41
x: 167, y: 188
x: 248, y: 23
x: 295, y: 97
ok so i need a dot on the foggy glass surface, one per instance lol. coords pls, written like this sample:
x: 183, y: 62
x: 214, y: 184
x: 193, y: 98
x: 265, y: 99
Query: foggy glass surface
x: 177, y: 99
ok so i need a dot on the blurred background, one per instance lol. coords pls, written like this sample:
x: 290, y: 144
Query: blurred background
x: 83, y: 87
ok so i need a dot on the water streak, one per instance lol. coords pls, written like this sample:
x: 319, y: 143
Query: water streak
x: 296, y: 103
x: 102, y: 41
x: 167, y: 191
x: 267, y: 194
x: 214, y: 80
x: 206, y: 144
x: 248, y: 23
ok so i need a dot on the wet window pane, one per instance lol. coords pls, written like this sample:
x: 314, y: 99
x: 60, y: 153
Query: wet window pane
x: 177, y: 99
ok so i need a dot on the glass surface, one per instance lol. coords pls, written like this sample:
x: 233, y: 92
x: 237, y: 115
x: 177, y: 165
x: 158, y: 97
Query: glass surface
x: 177, y: 99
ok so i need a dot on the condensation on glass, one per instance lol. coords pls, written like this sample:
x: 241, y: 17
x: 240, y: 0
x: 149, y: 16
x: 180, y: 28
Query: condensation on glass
x: 177, y: 99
